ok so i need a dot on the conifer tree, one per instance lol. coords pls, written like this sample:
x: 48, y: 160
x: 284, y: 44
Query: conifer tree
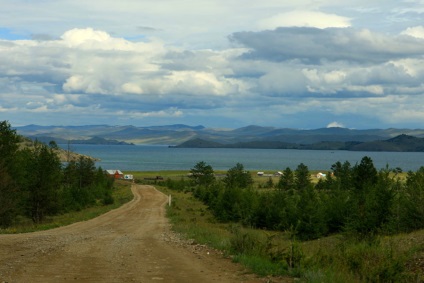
x: 286, y: 181
x: 237, y: 177
x: 302, y: 177
x: 9, y: 171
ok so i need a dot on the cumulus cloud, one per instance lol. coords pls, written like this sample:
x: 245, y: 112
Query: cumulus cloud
x: 335, y: 125
x: 417, y: 32
x: 302, y: 18
x: 286, y: 73
x: 289, y: 63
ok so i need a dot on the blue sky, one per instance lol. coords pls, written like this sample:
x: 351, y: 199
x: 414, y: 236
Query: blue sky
x: 218, y: 63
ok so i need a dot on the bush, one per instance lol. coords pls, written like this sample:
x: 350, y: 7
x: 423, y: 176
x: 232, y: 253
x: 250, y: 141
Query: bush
x: 243, y: 242
x: 373, y: 262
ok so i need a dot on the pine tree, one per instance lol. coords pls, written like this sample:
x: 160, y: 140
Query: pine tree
x: 43, y: 180
x: 202, y: 174
x: 302, y: 177
x: 237, y: 177
x: 9, y: 172
x: 286, y: 181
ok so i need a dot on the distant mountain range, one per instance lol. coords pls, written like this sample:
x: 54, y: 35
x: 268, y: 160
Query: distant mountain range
x: 401, y: 143
x: 248, y: 137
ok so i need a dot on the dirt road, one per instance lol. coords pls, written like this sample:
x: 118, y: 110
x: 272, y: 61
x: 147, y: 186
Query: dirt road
x: 129, y: 244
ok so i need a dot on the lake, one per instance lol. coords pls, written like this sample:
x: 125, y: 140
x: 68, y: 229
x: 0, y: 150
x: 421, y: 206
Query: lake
x: 157, y: 158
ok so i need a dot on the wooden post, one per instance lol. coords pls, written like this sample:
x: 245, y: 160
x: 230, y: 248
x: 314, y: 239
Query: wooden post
x: 169, y: 200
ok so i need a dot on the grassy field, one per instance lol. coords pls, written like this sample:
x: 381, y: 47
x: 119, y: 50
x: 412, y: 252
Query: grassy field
x: 260, y: 181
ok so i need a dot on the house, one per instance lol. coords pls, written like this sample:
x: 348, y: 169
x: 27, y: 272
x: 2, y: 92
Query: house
x: 321, y: 175
x: 128, y: 177
x: 117, y: 174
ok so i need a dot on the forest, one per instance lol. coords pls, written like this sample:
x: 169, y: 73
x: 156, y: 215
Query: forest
x: 357, y: 200
x: 358, y: 224
x: 35, y: 184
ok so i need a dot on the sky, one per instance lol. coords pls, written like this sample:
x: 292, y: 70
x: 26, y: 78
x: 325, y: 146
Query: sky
x: 301, y: 64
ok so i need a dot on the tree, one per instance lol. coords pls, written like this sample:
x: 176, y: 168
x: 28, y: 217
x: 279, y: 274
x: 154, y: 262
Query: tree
x: 311, y: 222
x: 86, y: 170
x: 371, y: 199
x: 364, y: 174
x: 8, y: 197
x: 286, y: 181
x: 83, y: 183
x: 343, y: 174
x: 43, y: 179
x: 9, y: 171
x: 202, y: 174
x: 237, y: 177
x: 411, y: 208
x: 8, y: 142
x: 53, y: 145
x: 302, y: 177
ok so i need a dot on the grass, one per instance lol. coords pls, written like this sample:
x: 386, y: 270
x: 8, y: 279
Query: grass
x: 121, y: 194
x: 336, y: 258
x: 192, y: 219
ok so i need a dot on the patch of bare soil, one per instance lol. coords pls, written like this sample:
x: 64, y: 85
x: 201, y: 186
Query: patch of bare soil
x: 130, y: 244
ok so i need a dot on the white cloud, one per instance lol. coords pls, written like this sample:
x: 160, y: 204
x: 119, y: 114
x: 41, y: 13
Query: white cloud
x: 302, y: 18
x: 79, y: 37
x: 171, y: 112
x: 335, y: 125
x: 132, y: 88
x: 326, y: 61
x: 417, y: 32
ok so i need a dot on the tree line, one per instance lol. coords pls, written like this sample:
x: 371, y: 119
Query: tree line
x: 35, y: 184
x: 358, y: 200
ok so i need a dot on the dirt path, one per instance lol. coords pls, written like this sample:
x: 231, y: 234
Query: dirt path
x: 129, y: 244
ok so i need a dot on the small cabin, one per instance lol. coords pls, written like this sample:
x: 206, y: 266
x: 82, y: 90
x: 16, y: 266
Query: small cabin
x: 116, y: 174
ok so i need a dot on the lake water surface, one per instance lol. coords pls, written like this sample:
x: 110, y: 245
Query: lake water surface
x: 157, y: 158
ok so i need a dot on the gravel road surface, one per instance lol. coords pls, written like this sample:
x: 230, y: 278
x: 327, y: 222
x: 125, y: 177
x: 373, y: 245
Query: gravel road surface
x: 130, y: 244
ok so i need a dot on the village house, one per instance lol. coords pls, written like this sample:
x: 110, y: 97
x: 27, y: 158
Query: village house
x: 117, y: 174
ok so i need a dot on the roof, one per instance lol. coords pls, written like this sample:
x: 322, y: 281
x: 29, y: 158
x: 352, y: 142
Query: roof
x: 113, y: 172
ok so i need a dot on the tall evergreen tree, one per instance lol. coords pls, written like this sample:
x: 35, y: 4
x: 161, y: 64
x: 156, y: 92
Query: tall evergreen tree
x: 202, y: 174
x: 9, y: 172
x: 286, y: 181
x: 302, y: 177
x: 411, y: 207
x: 343, y: 173
x: 364, y: 174
x: 365, y: 218
x: 43, y: 169
x: 237, y: 177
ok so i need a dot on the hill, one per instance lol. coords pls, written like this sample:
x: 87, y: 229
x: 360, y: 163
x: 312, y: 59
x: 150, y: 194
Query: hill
x: 179, y: 133
x: 401, y: 143
x: 64, y: 155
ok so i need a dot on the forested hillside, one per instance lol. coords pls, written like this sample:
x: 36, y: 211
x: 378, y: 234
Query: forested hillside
x: 34, y: 183
x: 401, y: 143
x: 351, y: 215
x: 356, y: 199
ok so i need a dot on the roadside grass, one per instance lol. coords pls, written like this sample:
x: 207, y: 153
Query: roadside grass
x: 336, y: 258
x: 191, y: 219
x: 121, y: 194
